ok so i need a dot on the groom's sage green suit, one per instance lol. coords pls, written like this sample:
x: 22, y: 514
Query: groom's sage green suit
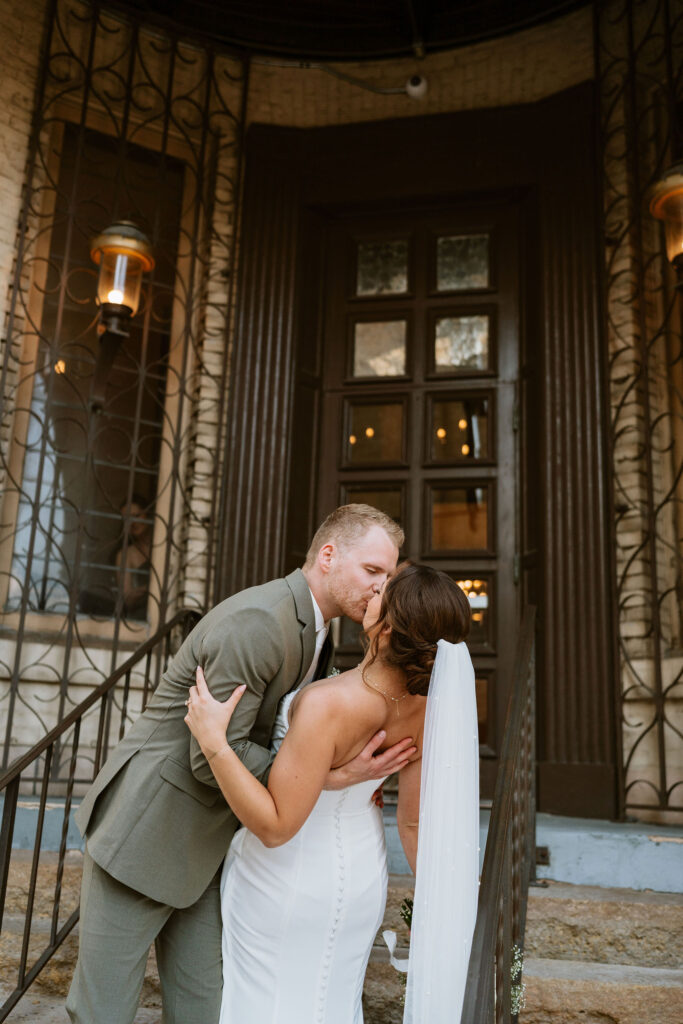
x: 157, y: 826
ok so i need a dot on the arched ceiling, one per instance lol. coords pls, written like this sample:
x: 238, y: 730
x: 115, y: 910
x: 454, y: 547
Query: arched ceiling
x: 347, y: 29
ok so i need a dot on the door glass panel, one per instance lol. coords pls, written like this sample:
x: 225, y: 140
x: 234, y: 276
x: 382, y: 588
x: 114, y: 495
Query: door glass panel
x: 461, y: 343
x: 459, y: 518
x: 459, y: 429
x: 379, y: 348
x: 477, y: 592
x: 462, y: 262
x: 481, y: 685
x: 389, y: 500
x: 375, y: 433
x: 382, y: 268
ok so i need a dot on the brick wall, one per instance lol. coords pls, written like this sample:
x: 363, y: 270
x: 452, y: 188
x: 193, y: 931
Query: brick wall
x: 20, y: 48
x: 520, y: 68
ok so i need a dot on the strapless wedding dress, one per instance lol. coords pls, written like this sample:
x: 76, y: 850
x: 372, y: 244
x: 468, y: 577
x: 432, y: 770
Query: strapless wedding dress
x: 299, y: 920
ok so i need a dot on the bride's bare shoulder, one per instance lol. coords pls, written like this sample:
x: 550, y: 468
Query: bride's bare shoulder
x: 330, y: 695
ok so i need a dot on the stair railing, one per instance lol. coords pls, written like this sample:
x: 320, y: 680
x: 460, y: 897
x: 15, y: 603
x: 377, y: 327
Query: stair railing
x: 510, y: 855
x: 46, y: 762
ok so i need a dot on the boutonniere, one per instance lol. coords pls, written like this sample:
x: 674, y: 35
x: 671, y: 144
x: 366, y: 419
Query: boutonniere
x: 333, y: 673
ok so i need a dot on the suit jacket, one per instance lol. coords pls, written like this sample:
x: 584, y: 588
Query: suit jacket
x: 154, y: 817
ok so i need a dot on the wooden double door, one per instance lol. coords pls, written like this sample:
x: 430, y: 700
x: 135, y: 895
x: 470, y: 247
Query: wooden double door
x: 420, y: 410
x: 535, y: 501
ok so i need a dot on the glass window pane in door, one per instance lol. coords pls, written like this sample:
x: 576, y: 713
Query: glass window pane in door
x: 461, y: 343
x: 382, y: 268
x: 462, y: 262
x: 459, y: 518
x: 459, y: 429
x: 375, y: 433
x: 379, y: 348
x: 389, y: 500
x: 477, y: 592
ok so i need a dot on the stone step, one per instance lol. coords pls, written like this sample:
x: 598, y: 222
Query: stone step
x: 607, y: 926
x: 38, y: 1008
x: 579, y: 922
x: 632, y: 932
x: 575, y: 992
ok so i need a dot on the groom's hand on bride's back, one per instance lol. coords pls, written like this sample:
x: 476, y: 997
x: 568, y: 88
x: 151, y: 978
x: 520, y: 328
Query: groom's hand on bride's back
x: 369, y: 765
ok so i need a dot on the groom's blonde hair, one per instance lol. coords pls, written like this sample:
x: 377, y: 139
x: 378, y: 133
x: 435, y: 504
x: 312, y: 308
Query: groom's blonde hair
x: 347, y: 524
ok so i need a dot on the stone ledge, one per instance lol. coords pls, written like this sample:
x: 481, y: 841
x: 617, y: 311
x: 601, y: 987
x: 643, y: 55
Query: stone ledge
x: 604, y: 974
x: 586, y: 998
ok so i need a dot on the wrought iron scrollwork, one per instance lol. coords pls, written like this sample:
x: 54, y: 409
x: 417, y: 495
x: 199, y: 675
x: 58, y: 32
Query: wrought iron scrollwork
x: 108, y: 520
x: 639, y: 53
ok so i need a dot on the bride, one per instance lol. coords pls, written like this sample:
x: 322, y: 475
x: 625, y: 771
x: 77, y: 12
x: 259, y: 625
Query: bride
x: 304, y: 883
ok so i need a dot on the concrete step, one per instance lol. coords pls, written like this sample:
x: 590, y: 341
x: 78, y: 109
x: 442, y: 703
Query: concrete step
x: 575, y: 992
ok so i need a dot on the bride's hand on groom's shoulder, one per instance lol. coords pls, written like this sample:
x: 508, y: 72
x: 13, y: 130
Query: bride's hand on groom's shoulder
x: 369, y: 765
x: 208, y: 718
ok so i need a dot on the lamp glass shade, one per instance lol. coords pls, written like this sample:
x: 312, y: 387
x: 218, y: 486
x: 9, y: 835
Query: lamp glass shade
x: 666, y: 204
x: 124, y: 254
x: 672, y: 210
x: 120, y: 279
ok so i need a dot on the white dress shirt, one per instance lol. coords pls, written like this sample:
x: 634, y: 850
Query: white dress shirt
x: 321, y: 629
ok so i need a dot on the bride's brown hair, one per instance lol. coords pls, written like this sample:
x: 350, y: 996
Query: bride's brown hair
x: 422, y: 606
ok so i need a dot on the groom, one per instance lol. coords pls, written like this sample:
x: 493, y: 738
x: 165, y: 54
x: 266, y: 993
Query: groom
x: 156, y: 825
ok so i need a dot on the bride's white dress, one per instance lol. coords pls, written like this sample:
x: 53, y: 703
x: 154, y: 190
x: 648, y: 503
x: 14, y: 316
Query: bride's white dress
x: 299, y: 920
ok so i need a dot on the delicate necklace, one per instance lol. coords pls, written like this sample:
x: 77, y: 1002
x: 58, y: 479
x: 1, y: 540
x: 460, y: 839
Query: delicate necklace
x: 387, y: 696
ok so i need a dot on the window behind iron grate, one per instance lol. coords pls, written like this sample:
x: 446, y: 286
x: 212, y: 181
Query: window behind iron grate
x: 85, y: 523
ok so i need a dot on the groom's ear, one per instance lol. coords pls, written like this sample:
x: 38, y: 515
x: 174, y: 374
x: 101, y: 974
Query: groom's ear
x: 326, y: 556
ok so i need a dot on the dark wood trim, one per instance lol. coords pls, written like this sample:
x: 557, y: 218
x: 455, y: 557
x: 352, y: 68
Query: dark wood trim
x: 254, y: 489
x: 577, y: 789
x: 544, y: 154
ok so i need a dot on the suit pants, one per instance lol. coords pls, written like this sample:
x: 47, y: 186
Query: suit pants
x: 118, y: 926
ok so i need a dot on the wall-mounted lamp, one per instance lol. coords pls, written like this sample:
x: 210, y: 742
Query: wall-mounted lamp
x: 666, y: 204
x: 123, y: 254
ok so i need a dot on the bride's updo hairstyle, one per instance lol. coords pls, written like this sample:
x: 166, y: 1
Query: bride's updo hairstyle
x: 422, y: 606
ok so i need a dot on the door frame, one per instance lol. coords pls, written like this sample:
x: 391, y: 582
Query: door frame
x: 545, y: 152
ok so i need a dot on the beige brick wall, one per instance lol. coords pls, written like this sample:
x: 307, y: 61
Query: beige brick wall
x: 20, y: 42
x: 20, y: 47
x: 520, y: 68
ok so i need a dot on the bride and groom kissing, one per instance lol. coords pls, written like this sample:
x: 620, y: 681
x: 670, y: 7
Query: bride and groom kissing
x: 247, y: 729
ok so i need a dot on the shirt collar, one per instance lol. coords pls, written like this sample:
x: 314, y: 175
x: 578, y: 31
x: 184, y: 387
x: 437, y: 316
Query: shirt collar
x: 319, y: 620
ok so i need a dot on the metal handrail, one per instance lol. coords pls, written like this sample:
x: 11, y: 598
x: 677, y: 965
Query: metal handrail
x: 509, y: 858
x: 46, y: 748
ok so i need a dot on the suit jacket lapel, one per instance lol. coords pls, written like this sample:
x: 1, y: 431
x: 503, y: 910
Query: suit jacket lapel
x: 306, y: 616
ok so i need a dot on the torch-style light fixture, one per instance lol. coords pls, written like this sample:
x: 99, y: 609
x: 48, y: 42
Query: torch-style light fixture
x: 666, y: 204
x: 123, y: 254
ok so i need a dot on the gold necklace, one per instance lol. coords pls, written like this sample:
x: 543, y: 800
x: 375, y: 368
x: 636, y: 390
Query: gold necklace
x: 387, y: 696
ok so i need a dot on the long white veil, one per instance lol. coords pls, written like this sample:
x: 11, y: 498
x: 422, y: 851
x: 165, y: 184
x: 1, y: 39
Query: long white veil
x: 447, y: 877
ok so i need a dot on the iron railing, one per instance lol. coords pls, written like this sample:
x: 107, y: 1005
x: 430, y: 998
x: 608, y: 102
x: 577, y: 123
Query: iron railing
x: 55, y: 760
x: 509, y: 859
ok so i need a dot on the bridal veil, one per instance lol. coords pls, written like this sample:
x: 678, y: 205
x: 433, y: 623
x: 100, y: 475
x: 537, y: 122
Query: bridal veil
x: 447, y: 877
